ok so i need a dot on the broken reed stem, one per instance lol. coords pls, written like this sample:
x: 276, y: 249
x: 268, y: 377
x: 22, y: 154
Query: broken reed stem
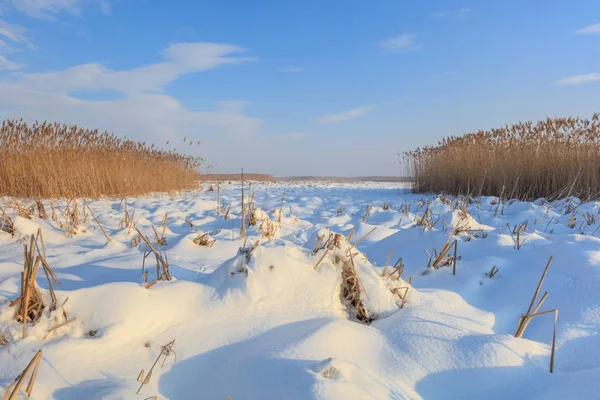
x: 523, y: 324
x: 454, y: 258
x: 108, y: 239
x: 363, y: 238
x: 160, y: 260
x: 328, y: 245
x: 387, y: 262
x: 533, y: 312
x: 12, y: 391
x: 166, y: 351
x: 218, y: 198
x: 49, y: 331
x: 281, y: 210
x: 164, y: 228
x: 243, y: 228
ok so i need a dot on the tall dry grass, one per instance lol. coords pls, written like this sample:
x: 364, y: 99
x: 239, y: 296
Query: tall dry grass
x: 56, y: 160
x: 555, y: 157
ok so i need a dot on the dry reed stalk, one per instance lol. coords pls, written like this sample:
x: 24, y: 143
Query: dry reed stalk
x: 12, y: 391
x: 165, y: 351
x: 553, y: 158
x: 402, y: 296
x: 533, y: 312
x: 30, y: 302
x: 204, y: 239
x: 248, y: 250
x: 108, y: 239
x: 268, y: 229
x: 352, y: 290
x: 54, y: 328
x: 41, y: 210
x: 164, y: 228
x: 387, y: 262
x: 327, y: 248
x: 281, y: 210
x: 364, y: 237
x: 6, y: 223
x: 161, y: 262
x: 492, y: 272
x: 367, y: 213
x: 443, y: 258
x: 526, y: 318
x: 243, y: 227
x: 218, y: 198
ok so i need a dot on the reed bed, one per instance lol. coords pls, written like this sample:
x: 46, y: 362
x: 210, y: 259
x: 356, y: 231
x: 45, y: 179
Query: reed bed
x: 552, y: 158
x: 51, y: 160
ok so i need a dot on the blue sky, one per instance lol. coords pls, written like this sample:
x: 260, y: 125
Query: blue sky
x: 298, y: 87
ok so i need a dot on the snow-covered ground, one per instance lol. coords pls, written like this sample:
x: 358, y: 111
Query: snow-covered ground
x: 269, y: 325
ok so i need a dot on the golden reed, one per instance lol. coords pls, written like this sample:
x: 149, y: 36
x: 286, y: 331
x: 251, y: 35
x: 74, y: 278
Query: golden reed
x: 52, y: 160
x: 553, y: 158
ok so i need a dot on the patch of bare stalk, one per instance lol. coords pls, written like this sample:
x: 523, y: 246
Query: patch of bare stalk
x: 162, y: 261
x: 533, y: 312
x: 30, y: 303
x: 165, y: 352
x: 516, y: 233
x: 395, y: 274
x: 352, y: 290
x: 51, y: 160
x: 553, y: 158
x: 13, y: 390
x: 448, y: 253
x: 204, y: 239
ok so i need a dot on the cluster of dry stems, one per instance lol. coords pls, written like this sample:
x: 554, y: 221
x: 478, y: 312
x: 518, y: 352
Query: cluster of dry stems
x: 51, y: 160
x: 556, y: 157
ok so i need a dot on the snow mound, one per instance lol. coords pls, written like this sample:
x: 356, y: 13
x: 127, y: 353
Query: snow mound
x: 334, y: 275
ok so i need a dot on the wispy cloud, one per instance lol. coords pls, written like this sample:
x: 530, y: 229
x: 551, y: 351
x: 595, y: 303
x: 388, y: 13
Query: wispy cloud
x: 49, y: 9
x: 291, y: 69
x: 589, y: 30
x: 6, y: 65
x: 460, y: 13
x: 404, y: 42
x: 141, y: 110
x: 181, y: 58
x: 13, y: 33
x: 578, y: 79
x: 12, y: 38
x: 344, y: 115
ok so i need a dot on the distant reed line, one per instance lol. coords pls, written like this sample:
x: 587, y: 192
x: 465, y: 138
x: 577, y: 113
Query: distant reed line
x: 52, y: 160
x: 556, y: 157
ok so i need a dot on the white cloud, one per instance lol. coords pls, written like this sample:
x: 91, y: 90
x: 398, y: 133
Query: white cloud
x: 6, y: 65
x: 143, y: 112
x: 345, y: 115
x: 14, y: 33
x: 182, y: 58
x: 589, y: 30
x: 406, y: 41
x: 12, y: 37
x: 578, y: 79
x: 49, y: 9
